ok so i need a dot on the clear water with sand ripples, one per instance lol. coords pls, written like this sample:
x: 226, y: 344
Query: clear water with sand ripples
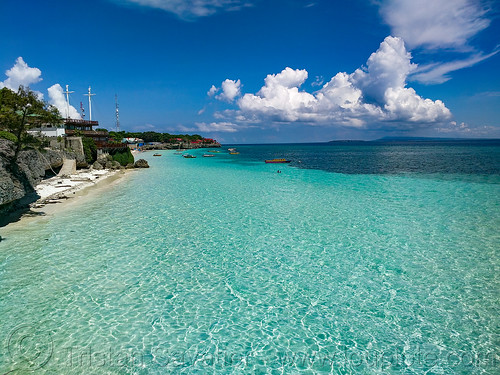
x: 352, y: 260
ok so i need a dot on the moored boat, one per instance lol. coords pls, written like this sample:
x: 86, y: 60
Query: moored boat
x: 278, y: 161
x: 156, y: 154
x: 189, y: 156
x: 208, y: 156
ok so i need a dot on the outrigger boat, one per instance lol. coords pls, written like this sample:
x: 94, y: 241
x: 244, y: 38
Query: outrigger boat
x: 208, y: 156
x: 188, y: 156
x: 234, y: 153
x: 275, y: 161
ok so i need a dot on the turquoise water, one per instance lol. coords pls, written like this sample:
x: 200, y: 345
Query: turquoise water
x: 221, y: 265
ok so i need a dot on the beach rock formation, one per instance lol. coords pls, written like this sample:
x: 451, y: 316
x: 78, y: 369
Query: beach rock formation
x: 115, y: 165
x: 98, y: 166
x: 141, y: 163
x: 17, y: 180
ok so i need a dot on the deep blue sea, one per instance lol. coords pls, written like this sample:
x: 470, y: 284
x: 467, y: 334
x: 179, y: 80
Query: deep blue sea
x: 358, y: 258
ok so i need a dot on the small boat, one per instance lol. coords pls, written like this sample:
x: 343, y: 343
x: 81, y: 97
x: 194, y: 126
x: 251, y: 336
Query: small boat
x: 156, y: 154
x: 177, y: 153
x: 188, y: 156
x: 215, y: 151
x: 231, y: 149
x: 278, y: 161
x: 208, y: 156
x: 234, y: 153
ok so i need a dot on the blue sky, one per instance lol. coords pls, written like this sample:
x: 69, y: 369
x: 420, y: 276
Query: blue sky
x: 264, y: 70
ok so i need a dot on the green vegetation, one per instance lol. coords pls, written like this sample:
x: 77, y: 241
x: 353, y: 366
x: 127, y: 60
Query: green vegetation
x: 89, y: 147
x: 154, y: 136
x: 7, y: 135
x: 123, y: 157
x: 21, y: 111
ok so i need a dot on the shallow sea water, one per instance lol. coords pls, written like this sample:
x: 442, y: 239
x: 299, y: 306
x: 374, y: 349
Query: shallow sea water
x: 221, y: 265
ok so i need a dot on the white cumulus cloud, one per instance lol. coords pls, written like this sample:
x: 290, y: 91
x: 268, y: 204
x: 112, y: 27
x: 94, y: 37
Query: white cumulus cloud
x: 280, y: 97
x: 372, y: 96
x: 213, y: 90
x: 192, y: 9
x: 21, y: 74
x: 58, y: 100
x: 230, y: 90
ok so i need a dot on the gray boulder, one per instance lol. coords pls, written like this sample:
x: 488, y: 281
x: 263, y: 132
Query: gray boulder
x: 102, y: 160
x: 98, y: 166
x: 81, y: 162
x: 18, y: 181
x: 141, y: 163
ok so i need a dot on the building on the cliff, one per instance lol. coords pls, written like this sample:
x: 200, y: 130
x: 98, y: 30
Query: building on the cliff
x: 75, y: 127
x: 84, y: 127
x: 48, y: 131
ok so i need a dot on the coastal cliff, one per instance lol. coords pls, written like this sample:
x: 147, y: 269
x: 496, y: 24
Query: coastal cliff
x: 17, y: 181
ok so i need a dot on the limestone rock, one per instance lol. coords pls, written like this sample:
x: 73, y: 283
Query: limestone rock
x: 17, y: 181
x: 141, y: 163
x: 102, y: 160
x: 81, y: 162
x: 98, y: 166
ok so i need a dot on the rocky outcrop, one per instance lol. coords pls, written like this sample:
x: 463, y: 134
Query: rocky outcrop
x: 141, y: 163
x: 72, y: 146
x: 17, y: 181
x: 115, y: 165
x: 98, y: 166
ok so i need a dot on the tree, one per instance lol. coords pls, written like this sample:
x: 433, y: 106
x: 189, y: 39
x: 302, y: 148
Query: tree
x: 21, y: 111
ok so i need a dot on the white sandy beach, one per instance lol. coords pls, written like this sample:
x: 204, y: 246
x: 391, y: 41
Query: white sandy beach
x: 58, y: 193
x: 60, y: 188
x: 57, y: 187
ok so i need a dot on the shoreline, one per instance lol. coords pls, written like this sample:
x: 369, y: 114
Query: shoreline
x: 60, y: 192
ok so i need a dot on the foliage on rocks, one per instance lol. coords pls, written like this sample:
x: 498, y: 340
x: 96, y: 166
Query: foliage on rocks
x: 21, y: 111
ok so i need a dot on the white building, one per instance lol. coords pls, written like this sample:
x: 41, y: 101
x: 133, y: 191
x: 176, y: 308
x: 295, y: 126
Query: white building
x: 48, y: 131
